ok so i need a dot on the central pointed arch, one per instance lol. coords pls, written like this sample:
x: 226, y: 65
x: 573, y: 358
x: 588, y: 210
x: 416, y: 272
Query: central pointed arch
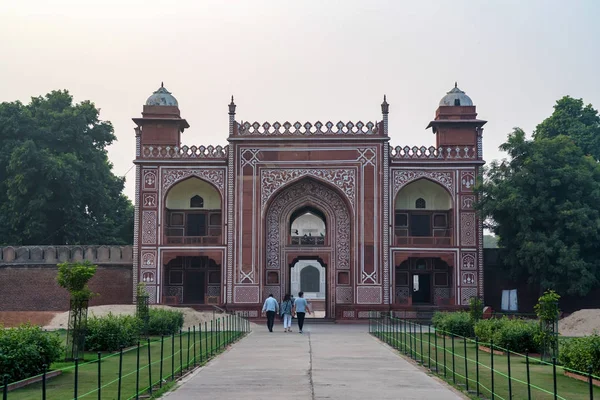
x: 303, y: 194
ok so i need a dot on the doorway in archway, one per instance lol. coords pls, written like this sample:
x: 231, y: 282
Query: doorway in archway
x: 309, y: 276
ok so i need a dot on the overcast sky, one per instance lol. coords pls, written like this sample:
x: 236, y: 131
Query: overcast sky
x: 303, y: 61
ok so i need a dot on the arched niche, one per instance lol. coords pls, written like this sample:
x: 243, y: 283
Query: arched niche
x: 181, y: 194
x: 310, y: 279
x: 308, y: 225
x: 423, y: 214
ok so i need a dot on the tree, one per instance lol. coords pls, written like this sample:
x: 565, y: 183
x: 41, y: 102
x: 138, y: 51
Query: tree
x: 56, y: 183
x: 573, y: 119
x: 545, y: 206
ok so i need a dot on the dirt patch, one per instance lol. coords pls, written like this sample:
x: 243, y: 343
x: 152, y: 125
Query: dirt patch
x: 580, y: 323
x: 191, y: 316
x: 11, y: 319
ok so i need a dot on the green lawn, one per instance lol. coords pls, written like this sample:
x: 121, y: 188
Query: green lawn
x: 423, y: 346
x: 178, y: 355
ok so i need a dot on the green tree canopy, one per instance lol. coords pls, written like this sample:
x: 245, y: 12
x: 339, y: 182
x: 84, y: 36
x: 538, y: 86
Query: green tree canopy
x: 545, y: 206
x: 575, y: 120
x: 56, y: 183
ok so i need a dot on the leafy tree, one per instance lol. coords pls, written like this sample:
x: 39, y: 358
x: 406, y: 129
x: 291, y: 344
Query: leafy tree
x: 572, y: 118
x: 544, y: 202
x: 56, y: 183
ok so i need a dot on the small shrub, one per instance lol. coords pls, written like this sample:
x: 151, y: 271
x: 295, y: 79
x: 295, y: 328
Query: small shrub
x: 458, y: 323
x: 475, y: 308
x: 580, y: 353
x: 516, y: 335
x: 111, y: 332
x: 164, y: 322
x: 24, y: 350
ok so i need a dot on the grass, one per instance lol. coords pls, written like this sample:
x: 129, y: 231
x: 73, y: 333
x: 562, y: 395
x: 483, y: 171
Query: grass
x: 178, y: 355
x: 453, y: 368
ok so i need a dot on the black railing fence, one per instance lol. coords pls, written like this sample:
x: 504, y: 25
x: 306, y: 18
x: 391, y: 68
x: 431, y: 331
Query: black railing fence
x: 138, y: 371
x: 483, y: 369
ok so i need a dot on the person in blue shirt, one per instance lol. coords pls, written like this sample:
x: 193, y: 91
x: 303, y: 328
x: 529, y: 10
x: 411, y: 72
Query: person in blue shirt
x: 300, y: 309
x: 271, y: 307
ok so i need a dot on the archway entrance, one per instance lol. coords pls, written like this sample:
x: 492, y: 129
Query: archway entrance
x: 307, y: 222
x: 192, y: 280
x: 310, y: 276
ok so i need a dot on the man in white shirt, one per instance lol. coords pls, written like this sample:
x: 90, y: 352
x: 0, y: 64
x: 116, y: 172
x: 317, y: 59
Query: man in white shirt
x: 271, y: 307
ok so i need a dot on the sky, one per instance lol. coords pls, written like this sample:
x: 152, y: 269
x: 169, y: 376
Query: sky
x: 303, y: 61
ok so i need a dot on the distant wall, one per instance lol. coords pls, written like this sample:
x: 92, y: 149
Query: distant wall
x: 28, y: 276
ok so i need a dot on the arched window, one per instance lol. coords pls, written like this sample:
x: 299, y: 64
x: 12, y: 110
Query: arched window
x: 310, y: 279
x: 197, y: 202
x: 420, y: 203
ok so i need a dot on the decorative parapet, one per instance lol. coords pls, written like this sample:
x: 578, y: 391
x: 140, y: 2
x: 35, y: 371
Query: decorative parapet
x: 433, y: 153
x: 15, y: 255
x: 209, y: 152
x: 308, y: 129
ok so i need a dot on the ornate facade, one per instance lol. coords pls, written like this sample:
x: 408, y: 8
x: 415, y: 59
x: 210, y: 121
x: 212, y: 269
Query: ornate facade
x: 214, y: 224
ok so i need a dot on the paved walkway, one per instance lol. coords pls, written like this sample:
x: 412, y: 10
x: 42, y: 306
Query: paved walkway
x: 326, y: 362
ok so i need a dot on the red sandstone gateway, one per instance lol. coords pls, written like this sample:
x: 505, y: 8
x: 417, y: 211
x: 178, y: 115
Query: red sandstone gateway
x: 330, y: 209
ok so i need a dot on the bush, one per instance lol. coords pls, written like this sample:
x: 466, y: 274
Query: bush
x: 516, y: 335
x: 111, y: 332
x: 164, y: 322
x: 458, y: 323
x: 580, y: 353
x: 24, y: 351
x: 475, y: 308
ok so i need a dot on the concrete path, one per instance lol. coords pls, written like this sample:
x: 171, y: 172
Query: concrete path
x: 326, y: 362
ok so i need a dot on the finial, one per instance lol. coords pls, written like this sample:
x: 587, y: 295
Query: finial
x: 385, y: 107
x: 162, y: 85
x: 455, y: 84
x: 232, y: 107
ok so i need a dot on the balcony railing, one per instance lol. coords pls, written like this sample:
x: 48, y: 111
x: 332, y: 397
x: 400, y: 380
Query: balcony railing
x: 423, y: 241
x: 308, y: 240
x: 195, y: 240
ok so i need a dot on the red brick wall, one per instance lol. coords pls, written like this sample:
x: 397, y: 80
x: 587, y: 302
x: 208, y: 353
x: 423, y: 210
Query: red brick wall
x: 34, y: 287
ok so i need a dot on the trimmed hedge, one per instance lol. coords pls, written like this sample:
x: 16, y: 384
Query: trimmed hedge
x: 458, y: 323
x: 164, y: 322
x: 517, y: 335
x: 111, y: 332
x: 580, y: 353
x: 25, y: 349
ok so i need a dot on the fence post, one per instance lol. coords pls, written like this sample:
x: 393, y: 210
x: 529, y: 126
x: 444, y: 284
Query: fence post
x: 99, y: 377
x: 591, y: 383
x: 162, y: 348
x: 206, y: 354
x: 212, y: 346
x: 429, y: 346
x: 149, y: 368
x: 421, y: 338
x: 200, y: 339
x: 137, y: 372
x: 466, y: 364
x: 444, y: 340
x: 5, y: 387
x: 477, y: 364
x: 528, y: 376
x: 453, y: 361
x: 120, y: 373
x: 172, y: 357
x: 194, y: 333
x: 45, y: 369
x: 187, y: 366
x: 435, y: 346
x: 75, y: 387
x: 509, y: 375
x: 180, y: 353
x: 492, y: 365
x: 554, y: 377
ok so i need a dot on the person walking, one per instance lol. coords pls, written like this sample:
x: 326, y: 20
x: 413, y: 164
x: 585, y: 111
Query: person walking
x: 300, y: 309
x: 271, y: 307
x: 286, y: 312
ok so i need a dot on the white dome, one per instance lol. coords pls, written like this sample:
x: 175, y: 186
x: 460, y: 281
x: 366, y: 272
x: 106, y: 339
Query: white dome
x: 456, y: 97
x: 162, y: 97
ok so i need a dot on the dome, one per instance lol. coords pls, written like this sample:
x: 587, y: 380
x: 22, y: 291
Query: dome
x: 456, y: 97
x: 162, y: 97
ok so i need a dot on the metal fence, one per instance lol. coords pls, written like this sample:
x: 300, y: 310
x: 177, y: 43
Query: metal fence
x: 483, y: 369
x: 143, y: 370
